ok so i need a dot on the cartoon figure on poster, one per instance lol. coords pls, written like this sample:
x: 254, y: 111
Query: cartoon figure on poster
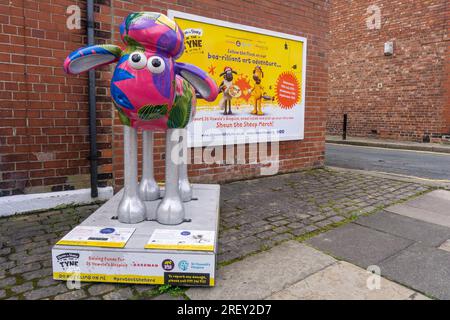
x: 152, y: 92
x: 257, y: 91
x: 228, y: 89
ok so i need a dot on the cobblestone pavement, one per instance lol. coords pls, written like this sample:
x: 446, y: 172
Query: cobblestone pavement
x: 255, y: 215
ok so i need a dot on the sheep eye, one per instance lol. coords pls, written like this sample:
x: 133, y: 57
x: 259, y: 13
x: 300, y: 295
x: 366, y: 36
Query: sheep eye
x: 156, y: 64
x: 137, y: 60
x: 136, y: 57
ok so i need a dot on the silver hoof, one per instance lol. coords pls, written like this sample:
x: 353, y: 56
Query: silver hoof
x: 149, y: 192
x: 185, y: 190
x: 170, y: 211
x: 131, y: 210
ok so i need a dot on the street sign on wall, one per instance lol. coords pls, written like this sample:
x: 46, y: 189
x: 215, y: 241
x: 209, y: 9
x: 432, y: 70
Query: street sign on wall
x: 261, y: 77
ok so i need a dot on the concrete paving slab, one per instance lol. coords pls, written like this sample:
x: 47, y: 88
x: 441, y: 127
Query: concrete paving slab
x: 433, y: 207
x: 359, y: 245
x: 405, y: 227
x: 422, y: 268
x: 261, y: 275
x: 436, y: 201
x: 344, y: 281
x: 445, y: 246
x: 421, y: 214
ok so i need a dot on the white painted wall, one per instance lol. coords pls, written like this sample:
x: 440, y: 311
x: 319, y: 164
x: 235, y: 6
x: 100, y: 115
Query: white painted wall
x: 11, y: 205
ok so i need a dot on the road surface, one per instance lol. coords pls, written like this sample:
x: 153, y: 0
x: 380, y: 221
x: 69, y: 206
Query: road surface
x: 420, y: 164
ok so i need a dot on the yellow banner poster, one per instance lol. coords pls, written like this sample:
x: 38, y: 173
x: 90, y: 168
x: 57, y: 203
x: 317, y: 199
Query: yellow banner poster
x: 261, y: 79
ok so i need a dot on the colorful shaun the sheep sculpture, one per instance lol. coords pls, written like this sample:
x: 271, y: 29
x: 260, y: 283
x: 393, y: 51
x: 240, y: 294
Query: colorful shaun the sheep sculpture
x: 154, y: 93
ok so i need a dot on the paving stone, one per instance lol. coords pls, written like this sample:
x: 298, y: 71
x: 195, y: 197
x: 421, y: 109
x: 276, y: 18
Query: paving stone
x: 143, y: 288
x: 5, y: 251
x: 242, y: 280
x: 282, y: 237
x: 280, y: 223
x: 343, y: 281
x: 100, y: 288
x: 25, y: 268
x: 30, y: 246
x: 359, y: 245
x: 121, y: 294
x: 431, y: 207
x: 299, y: 232
x: 72, y: 295
x: 282, y: 229
x: 318, y: 218
x: 7, y: 265
x: 7, y: 282
x: 295, y: 225
x: 2, y: 294
x: 435, y: 201
x: 445, y: 245
x: 47, y: 281
x: 336, y: 219
x: 45, y: 292
x: 405, y: 227
x: 422, y: 268
x: 266, y: 234
x: 27, y: 286
x: 228, y: 256
x: 37, y: 274
x: 324, y: 223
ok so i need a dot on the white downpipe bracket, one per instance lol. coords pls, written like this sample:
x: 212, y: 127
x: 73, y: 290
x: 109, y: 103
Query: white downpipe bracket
x: 11, y: 205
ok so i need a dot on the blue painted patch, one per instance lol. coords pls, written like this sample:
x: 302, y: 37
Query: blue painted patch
x: 119, y: 75
x: 120, y: 98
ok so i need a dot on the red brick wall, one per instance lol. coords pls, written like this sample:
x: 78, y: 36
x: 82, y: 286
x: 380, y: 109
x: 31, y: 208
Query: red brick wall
x: 44, y: 113
x: 400, y: 96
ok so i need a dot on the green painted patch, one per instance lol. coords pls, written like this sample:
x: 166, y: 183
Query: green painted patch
x: 177, y: 117
x: 132, y: 45
x: 181, y: 110
x: 150, y: 112
x: 123, y: 118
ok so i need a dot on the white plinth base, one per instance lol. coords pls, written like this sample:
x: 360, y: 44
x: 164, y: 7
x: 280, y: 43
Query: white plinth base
x: 134, y: 263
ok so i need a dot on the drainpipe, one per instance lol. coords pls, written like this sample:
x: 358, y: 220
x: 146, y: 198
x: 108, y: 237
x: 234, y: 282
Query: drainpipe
x: 92, y: 103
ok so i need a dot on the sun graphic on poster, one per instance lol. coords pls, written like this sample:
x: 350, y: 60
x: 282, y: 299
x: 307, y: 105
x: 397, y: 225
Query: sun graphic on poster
x: 244, y: 84
x: 287, y: 90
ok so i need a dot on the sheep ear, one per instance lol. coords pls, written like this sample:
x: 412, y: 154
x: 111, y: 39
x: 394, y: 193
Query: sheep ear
x: 202, y: 83
x: 91, y: 57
